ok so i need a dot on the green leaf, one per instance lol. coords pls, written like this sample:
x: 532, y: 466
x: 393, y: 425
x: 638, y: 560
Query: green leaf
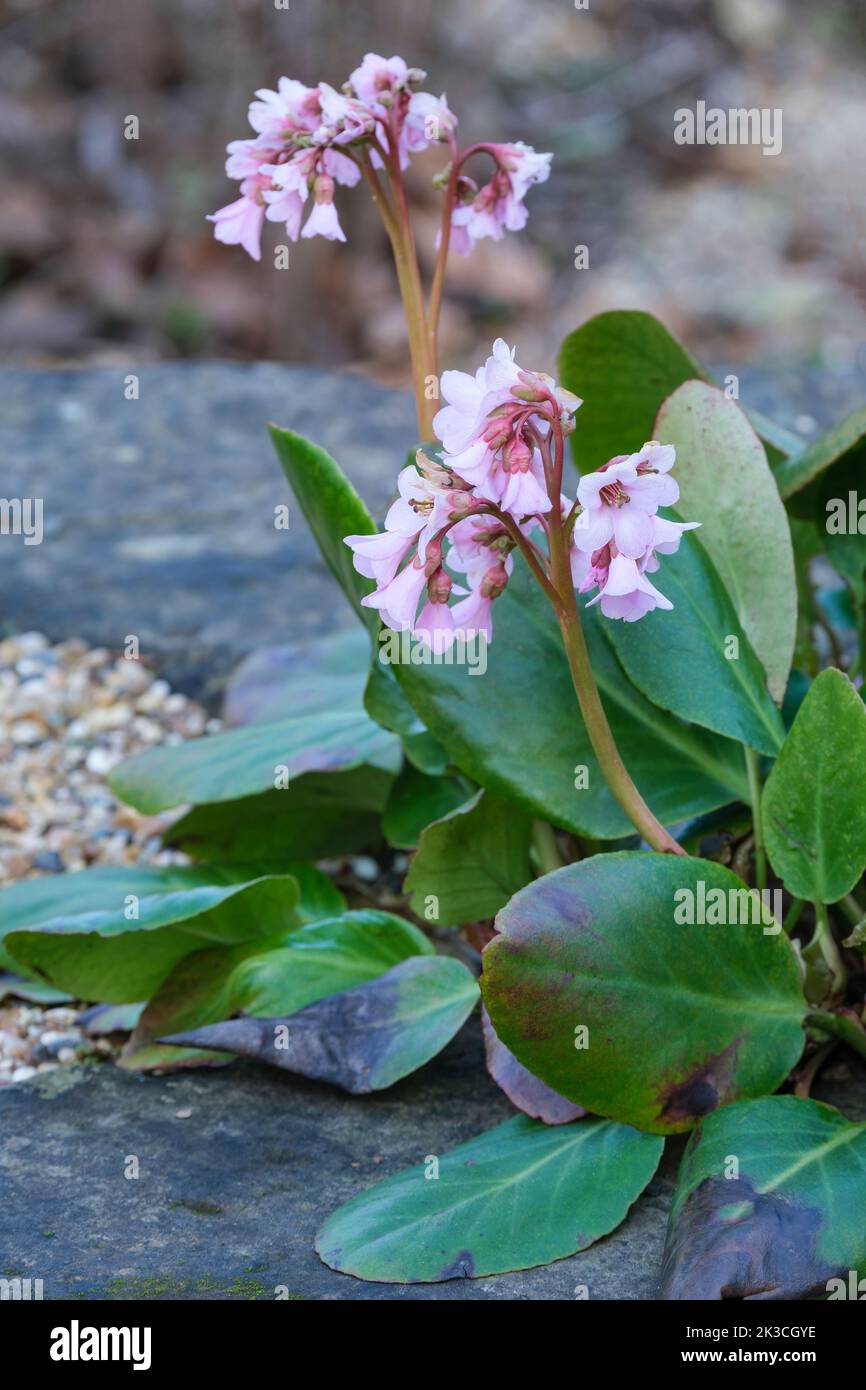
x: 844, y: 443
x: 22, y: 987
x: 316, y: 960
x: 298, y: 678
x: 707, y: 673
x: 517, y: 730
x: 333, y: 510
x: 241, y: 762
x: 363, y: 1039
x: 681, y: 1017
x: 783, y: 1226
x: 416, y: 800
x: 726, y: 484
x: 520, y: 1195
x: 74, y: 930
x: 472, y: 861
x: 623, y: 364
x: 385, y: 702
x: 813, y: 805
x: 321, y: 814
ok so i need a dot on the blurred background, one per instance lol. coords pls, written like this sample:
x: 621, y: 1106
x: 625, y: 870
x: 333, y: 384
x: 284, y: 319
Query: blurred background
x: 106, y: 257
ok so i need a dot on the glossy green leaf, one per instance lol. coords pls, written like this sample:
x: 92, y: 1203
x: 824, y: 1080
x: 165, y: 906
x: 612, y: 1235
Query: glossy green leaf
x: 363, y: 1039
x: 517, y: 730
x: 769, y: 1204
x: 113, y: 935
x: 321, y: 814
x: 471, y: 862
x: 726, y: 484
x: 707, y: 671
x: 520, y: 1195
x: 385, y: 701
x: 332, y: 508
x: 681, y: 1016
x: 623, y: 364
x: 415, y: 800
x: 814, y: 808
x: 245, y: 761
x: 321, y: 958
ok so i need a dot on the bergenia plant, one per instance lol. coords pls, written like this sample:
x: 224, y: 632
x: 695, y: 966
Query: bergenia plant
x: 604, y: 712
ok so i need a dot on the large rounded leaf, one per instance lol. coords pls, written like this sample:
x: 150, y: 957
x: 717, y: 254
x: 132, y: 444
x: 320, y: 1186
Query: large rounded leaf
x: 814, y: 806
x: 322, y: 958
x: 520, y: 1195
x: 769, y: 1204
x: 517, y: 729
x: 726, y: 484
x: 679, y: 1016
x: 707, y: 671
x: 113, y: 935
x: 363, y: 1039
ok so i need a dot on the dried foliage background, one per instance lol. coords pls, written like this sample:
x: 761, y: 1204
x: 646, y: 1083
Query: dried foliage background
x: 105, y: 255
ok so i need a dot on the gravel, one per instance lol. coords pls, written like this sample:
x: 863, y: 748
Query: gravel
x: 68, y: 714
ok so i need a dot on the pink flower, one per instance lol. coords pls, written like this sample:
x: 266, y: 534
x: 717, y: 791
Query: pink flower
x: 665, y: 540
x: 428, y: 119
x: 627, y: 593
x: 240, y: 224
x: 620, y: 499
x: 291, y: 109
x: 378, y: 556
x: 397, y: 601
x: 435, y: 626
x: 491, y: 426
x: 377, y: 78
x: 412, y: 520
x: 498, y: 207
x: 323, y: 220
x: 474, y: 614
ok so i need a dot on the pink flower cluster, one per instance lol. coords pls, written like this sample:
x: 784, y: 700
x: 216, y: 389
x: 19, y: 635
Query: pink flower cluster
x: 618, y: 535
x: 304, y: 145
x: 497, y: 207
x: 492, y: 489
x: 309, y: 139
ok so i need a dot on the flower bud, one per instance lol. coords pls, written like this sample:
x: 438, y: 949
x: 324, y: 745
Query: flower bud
x: 432, y: 557
x: 323, y: 188
x: 494, y: 581
x: 439, y: 586
x: 517, y: 455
